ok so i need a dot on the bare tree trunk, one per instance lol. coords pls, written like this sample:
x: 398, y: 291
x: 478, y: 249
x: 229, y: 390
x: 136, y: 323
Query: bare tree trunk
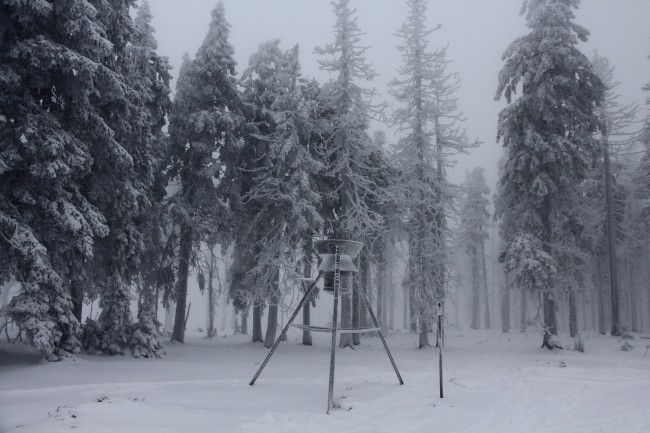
x: 601, y: 297
x: 423, y: 340
x: 405, y: 312
x: 550, y: 322
x: 573, y: 314
x: 356, y: 313
x: 381, y: 273
x: 476, y: 302
x: 243, y: 327
x: 486, y: 297
x: 345, y: 340
x: 390, y: 298
x: 634, y: 296
x: 522, y: 311
x: 364, y: 278
x: 611, y: 243
x: 550, y: 315
x: 76, y: 293
x: 505, y: 304
x: 156, y: 303
x: 306, y: 317
x: 169, y: 314
x: 272, y: 318
x: 647, y: 311
x: 257, y: 323
x: 211, y: 296
x: 413, y: 312
x: 356, y: 307
x: 185, y: 254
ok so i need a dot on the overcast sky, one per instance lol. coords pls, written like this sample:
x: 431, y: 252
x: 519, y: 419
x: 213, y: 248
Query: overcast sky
x: 477, y: 31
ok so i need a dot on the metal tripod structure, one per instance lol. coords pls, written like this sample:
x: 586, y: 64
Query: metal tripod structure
x: 335, y: 329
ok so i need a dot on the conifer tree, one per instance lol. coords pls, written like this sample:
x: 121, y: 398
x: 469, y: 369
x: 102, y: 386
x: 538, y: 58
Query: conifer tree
x: 428, y: 119
x: 50, y: 67
x: 203, y: 127
x: 149, y: 75
x: 347, y: 149
x: 279, y: 203
x: 548, y: 136
x: 121, y: 185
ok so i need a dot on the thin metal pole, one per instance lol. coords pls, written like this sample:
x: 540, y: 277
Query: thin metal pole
x: 381, y: 335
x: 284, y: 331
x: 440, y: 353
x: 337, y: 285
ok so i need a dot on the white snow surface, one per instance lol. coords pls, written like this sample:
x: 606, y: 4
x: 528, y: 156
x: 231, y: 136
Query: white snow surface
x: 493, y: 382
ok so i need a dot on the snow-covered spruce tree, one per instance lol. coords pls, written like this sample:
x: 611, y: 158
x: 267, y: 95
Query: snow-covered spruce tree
x: 474, y: 217
x: 49, y: 71
x: 203, y: 127
x: 121, y: 183
x: 428, y: 120
x: 347, y: 149
x: 149, y: 75
x: 280, y: 203
x: 548, y: 135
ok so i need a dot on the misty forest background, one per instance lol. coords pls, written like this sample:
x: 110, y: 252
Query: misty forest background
x: 116, y: 196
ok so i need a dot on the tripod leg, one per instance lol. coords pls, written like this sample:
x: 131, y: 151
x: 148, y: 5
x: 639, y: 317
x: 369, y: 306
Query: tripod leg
x: 381, y: 335
x: 303, y: 301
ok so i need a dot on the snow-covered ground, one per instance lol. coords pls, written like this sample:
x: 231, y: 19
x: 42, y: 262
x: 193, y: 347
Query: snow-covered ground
x: 493, y: 383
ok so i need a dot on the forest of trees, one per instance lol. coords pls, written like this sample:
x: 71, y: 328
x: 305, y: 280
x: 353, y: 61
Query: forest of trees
x: 116, y: 193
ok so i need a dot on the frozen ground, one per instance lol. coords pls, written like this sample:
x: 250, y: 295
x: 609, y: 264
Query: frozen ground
x: 493, y: 383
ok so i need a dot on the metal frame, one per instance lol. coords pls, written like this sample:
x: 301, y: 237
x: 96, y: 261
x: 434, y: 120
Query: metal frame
x: 335, y: 330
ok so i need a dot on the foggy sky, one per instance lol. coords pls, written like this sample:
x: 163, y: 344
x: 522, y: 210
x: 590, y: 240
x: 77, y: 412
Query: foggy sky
x: 477, y: 31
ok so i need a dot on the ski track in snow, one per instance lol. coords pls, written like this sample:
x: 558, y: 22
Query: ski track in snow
x: 492, y: 384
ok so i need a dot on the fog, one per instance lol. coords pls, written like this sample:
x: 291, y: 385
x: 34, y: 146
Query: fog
x: 477, y: 33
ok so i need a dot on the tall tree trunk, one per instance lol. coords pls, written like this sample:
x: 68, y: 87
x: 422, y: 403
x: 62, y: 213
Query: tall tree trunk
x: 272, y: 318
x: 243, y: 326
x: 257, y: 323
x: 505, y: 304
x: 647, y: 311
x: 356, y: 311
x: 611, y: 243
x: 601, y: 297
x: 390, y: 297
x: 405, y: 309
x: 522, y: 311
x: 185, y: 253
x: 364, y: 278
x: 634, y: 296
x: 156, y: 303
x: 169, y: 315
x: 381, y: 273
x: 550, y: 322
x: 550, y: 315
x: 345, y: 340
x: 306, y: 317
x: 476, y: 300
x: 486, y: 297
x: 413, y: 315
x: 423, y: 340
x: 76, y: 293
x: 212, y: 331
x: 573, y: 314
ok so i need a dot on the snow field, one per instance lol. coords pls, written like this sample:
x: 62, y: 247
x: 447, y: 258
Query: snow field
x: 493, y: 383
